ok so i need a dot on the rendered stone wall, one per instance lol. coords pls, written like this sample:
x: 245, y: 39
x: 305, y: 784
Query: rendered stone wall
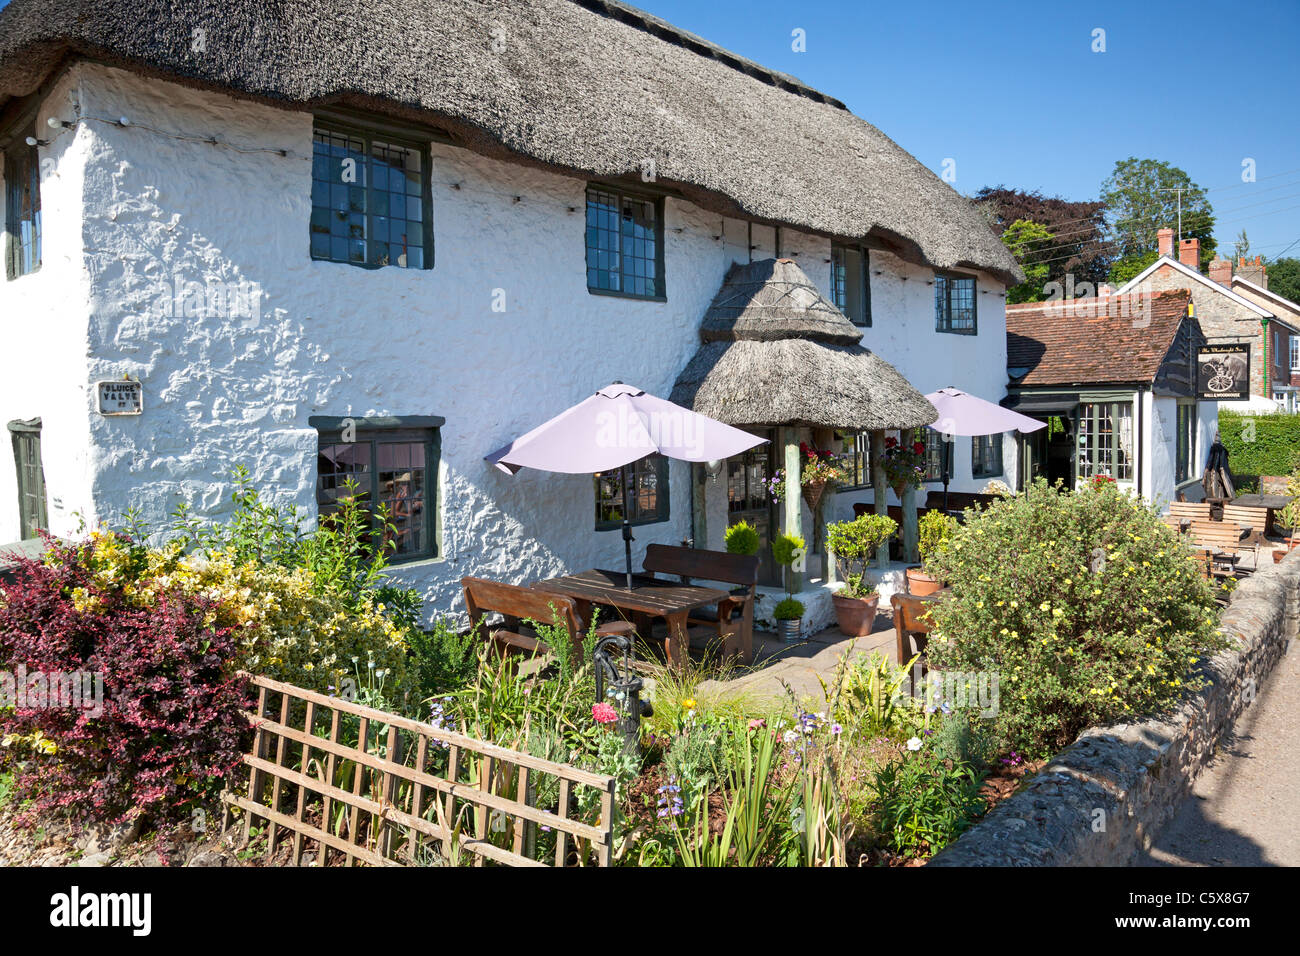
x: 1131, y: 777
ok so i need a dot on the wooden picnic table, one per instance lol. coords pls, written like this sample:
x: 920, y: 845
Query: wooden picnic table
x: 1274, y: 504
x: 649, y: 598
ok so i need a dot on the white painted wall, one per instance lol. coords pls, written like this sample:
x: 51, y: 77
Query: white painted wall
x: 43, y: 335
x: 331, y: 339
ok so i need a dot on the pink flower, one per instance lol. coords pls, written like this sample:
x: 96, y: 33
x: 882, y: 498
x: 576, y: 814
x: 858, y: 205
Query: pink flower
x: 603, y: 713
x: 757, y: 723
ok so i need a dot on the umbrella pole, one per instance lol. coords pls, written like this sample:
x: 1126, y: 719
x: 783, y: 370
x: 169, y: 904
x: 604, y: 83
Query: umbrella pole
x: 627, y: 528
x: 947, y: 471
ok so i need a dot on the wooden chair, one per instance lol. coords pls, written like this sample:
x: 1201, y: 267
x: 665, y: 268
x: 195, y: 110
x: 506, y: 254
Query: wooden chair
x: 1224, y: 539
x: 1251, y: 519
x: 733, y: 620
x: 911, y: 625
x: 518, y: 604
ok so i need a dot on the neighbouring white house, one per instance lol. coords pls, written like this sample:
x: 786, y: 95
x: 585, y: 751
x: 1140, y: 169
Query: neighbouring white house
x: 327, y: 246
x: 1114, y: 378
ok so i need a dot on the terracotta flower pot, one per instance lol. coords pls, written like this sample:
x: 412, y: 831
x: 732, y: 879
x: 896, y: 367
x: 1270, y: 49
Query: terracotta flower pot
x: 856, y: 616
x: 919, y: 583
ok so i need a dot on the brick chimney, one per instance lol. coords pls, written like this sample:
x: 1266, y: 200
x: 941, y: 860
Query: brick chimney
x: 1255, y: 272
x: 1189, y: 253
x: 1221, y: 271
x: 1165, y: 241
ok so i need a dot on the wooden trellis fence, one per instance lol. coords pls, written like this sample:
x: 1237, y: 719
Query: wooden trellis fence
x: 364, y: 786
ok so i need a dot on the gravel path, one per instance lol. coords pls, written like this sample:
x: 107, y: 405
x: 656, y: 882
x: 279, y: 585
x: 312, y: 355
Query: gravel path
x: 1241, y: 811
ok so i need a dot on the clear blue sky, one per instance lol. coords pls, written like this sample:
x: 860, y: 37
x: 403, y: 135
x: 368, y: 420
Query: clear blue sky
x: 1014, y: 94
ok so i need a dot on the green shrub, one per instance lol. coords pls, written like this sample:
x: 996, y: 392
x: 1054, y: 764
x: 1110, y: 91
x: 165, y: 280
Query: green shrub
x: 923, y: 802
x: 1259, y: 445
x: 1086, y: 607
x: 788, y: 609
x: 963, y: 738
x: 442, y: 659
x: 784, y: 547
x: 742, y: 538
x: 854, y: 545
x: 935, y: 529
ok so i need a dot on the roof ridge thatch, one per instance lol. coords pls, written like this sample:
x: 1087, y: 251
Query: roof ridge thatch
x: 727, y: 135
x: 774, y: 299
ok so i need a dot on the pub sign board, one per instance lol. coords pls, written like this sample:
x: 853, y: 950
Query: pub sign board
x: 120, y: 397
x: 1223, y: 373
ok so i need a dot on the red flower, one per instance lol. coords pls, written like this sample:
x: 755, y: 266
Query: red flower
x: 918, y: 447
x: 603, y: 713
x: 891, y: 442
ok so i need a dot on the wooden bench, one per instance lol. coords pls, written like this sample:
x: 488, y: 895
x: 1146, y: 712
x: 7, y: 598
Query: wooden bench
x: 733, y: 620
x: 1251, y: 519
x: 519, y: 604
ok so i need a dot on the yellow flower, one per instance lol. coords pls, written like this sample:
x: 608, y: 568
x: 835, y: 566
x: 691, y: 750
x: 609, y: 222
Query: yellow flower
x: 689, y: 703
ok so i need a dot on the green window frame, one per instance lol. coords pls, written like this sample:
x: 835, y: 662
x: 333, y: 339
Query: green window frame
x: 1185, y: 456
x: 625, y: 243
x: 856, y: 460
x: 32, y: 512
x: 22, y: 172
x: 934, y: 450
x: 371, y: 202
x: 954, y: 303
x: 648, y: 494
x: 394, y: 463
x: 1106, y: 440
x: 986, y: 456
x: 851, y: 283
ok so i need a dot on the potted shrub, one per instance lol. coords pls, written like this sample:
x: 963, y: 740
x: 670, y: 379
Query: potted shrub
x: 789, y: 619
x: 787, y: 549
x: 1289, y: 517
x: 935, y: 530
x: 742, y: 538
x: 854, y: 544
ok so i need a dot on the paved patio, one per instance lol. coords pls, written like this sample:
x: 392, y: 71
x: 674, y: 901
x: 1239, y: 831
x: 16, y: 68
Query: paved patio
x: 777, y: 664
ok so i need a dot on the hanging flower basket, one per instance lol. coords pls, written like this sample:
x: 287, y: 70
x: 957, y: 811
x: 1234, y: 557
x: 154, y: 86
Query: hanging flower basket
x: 812, y: 493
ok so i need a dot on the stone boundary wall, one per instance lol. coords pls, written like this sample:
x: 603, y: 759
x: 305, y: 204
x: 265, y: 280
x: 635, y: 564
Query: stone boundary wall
x: 1136, y: 774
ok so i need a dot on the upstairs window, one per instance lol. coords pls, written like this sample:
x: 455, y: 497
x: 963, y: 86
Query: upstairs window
x: 393, y: 468
x: 851, y: 283
x: 1295, y: 353
x: 954, y: 304
x: 370, y: 199
x: 22, y: 209
x: 625, y: 240
x: 647, y: 493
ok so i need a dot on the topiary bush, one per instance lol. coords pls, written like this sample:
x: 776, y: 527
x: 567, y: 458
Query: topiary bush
x: 169, y: 729
x: 854, y: 545
x: 1087, y: 608
x: 742, y: 538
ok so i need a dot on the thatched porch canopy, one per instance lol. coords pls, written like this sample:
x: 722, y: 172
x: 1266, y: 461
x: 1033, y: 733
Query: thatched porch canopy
x: 776, y: 352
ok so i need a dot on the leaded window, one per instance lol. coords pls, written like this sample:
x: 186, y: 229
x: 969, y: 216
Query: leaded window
x: 854, y: 453
x: 393, y: 472
x: 851, y: 283
x: 22, y: 210
x: 370, y: 200
x: 986, y: 456
x: 954, y: 304
x: 1106, y: 440
x: 647, y: 493
x: 625, y: 235
x: 935, y: 448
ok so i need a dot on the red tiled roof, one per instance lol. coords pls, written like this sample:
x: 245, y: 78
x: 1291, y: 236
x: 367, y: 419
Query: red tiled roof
x: 1081, y: 341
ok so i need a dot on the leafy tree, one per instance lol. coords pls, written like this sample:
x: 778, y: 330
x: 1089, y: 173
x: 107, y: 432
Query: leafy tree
x: 1142, y: 197
x: 1241, y: 247
x: 1125, y: 269
x: 1025, y: 238
x: 1079, y: 246
x: 1284, y: 278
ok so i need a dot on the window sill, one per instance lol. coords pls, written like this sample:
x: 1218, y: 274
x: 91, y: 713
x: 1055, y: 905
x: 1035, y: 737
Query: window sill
x: 414, y: 563
x: 958, y: 331
x: 627, y: 295
x: 617, y: 525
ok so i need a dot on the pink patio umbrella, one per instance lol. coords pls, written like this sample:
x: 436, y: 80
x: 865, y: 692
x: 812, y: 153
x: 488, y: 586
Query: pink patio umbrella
x: 961, y: 413
x: 616, y: 426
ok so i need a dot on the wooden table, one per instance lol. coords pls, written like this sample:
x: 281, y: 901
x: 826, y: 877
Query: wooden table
x: 1274, y: 504
x: 649, y: 598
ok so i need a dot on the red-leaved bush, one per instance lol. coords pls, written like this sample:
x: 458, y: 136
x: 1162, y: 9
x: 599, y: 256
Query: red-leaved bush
x: 171, y: 728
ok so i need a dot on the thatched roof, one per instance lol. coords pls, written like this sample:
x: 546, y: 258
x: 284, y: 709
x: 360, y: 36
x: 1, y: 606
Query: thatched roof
x: 766, y: 361
x: 773, y: 299
x: 591, y: 87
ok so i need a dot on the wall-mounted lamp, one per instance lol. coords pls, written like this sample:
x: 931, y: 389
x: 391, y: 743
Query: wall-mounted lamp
x: 33, y: 141
x: 713, y: 469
